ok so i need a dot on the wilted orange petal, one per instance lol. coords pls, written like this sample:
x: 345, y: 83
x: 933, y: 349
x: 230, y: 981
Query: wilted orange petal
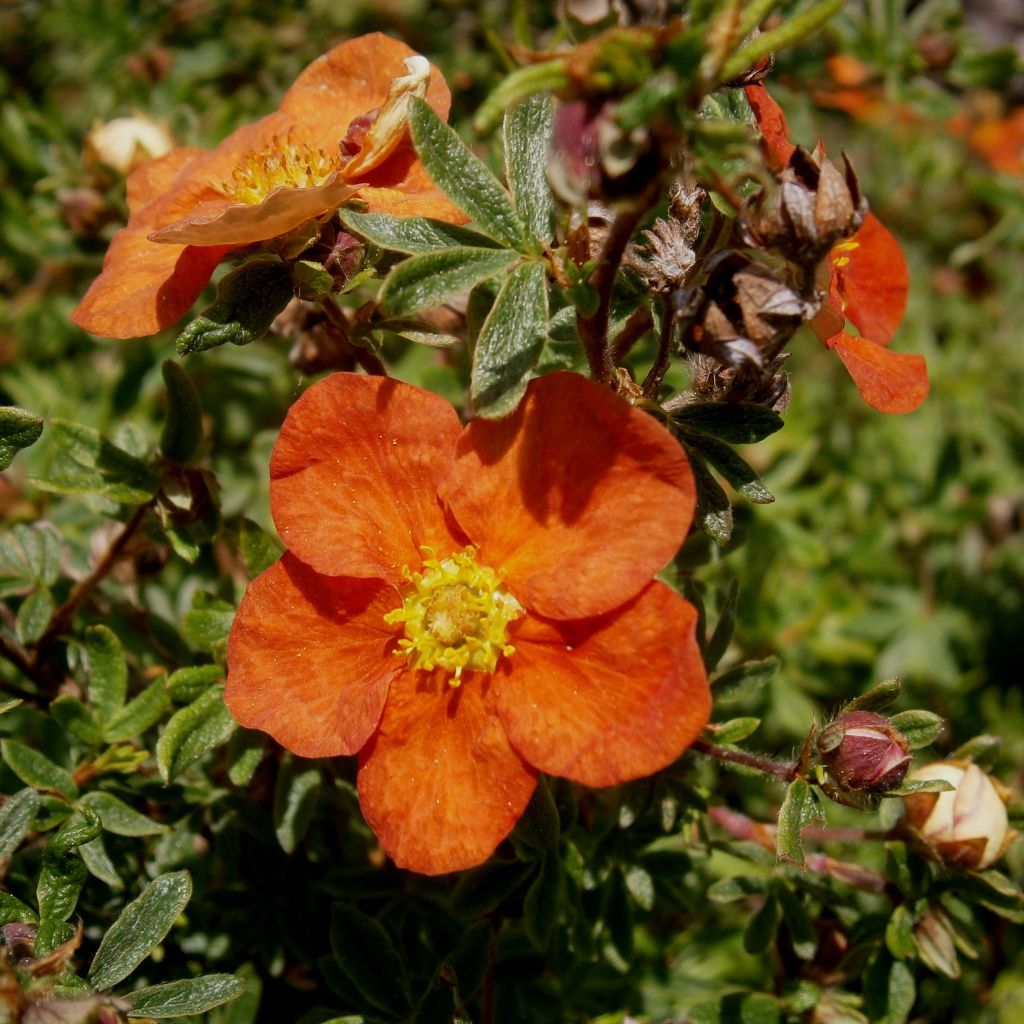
x: 402, y: 187
x: 873, y: 281
x: 609, y: 699
x: 309, y: 658
x: 154, y: 177
x: 577, y: 496
x: 439, y: 784
x: 354, y: 476
x: 772, y: 122
x: 888, y: 381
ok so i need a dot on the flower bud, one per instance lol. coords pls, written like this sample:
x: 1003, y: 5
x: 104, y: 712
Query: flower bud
x: 864, y: 753
x: 967, y: 826
x: 127, y: 142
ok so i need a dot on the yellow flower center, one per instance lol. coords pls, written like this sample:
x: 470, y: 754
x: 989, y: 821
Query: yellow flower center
x: 844, y: 247
x: 455, y: 616
x: 279, y: 165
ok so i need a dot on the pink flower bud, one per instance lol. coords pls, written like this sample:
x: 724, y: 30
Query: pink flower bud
x: 864, y: 753
x: 966, y: 826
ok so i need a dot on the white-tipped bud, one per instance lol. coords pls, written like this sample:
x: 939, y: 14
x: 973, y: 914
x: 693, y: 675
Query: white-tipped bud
x: 127, y: 142
x: 967, y: 826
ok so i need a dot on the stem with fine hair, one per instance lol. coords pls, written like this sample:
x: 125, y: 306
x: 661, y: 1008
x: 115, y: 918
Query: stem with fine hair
x: 785, y: 770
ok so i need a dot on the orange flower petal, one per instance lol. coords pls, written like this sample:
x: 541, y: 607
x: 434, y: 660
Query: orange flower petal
x: 309, y: 658
x: 154, y: 177
x: 577, y: 496
x: 606, y: 700
x: 440, y: 784
x: 888, y: 381
x: 870, y: 274
x: 772, y: 123
x: 354, y: 476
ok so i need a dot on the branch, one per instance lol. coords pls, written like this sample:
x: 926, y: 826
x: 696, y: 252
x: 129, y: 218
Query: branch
x: 785, y: 770
x: 652, y: 382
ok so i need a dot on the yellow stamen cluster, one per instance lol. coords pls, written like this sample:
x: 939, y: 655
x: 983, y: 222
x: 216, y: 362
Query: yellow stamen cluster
x: 280, y: 165
x: 844, y: 247
x: 455, y: 616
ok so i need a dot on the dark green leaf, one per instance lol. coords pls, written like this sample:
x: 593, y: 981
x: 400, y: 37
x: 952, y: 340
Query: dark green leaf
x: 60, y: 881
x: 186, y: 684
x: 464, y: 177
x: 719, y: 642
x: 736, y: 423
x: 139, y: 714
x: 36, y: 769
x: 117, y: 817
x: 140, y: 928
x: 34, y: 616
x: 81, y: 827
x: 919, y: 728
x: 16, y: 817
x: 879, y: 696
x: 259, y: 549
x: 797, y: 922
x: 467, y: 962
x: 798, y: 809
x: 744, y: 680
x: 537, y: 831
x: 411, y: 235
x: 19, y: 429
x: 184, y: 998
x: 183, y: 423
x: 737, y: 887
x: 542, y: 907
x: 527, y: 138
x: 108, y: 674
x: 29, y: 557
x: 735, y: 729
x: 726, y: 462
x: 430, y: 279
x: 248, y: 300
x: 12, y: 910
x: 75, y: 718
x: 618, y: 919
x: 51, y: 935
x: 295, y: 797
x: 206, y: 626
x: 366, y: 954
x: 510, y: 342
x: 714, y: 513
x: 759, y: 934
x: 482, y: 889
x: 192, y: 732
x: 97, y: 861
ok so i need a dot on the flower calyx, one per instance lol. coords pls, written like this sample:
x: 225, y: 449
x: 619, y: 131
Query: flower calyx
x: 863, y: 753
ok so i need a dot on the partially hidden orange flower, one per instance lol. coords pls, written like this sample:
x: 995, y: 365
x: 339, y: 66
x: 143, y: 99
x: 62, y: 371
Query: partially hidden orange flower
x: 340, y: 131
x: 867, y: 285
x: 466, y: 607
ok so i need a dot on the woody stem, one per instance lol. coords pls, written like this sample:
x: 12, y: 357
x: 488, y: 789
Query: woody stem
x: 785, y: 770
x: 652, y: 382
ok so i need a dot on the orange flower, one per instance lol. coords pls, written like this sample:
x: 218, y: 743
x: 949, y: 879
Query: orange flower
x: 867, y: 285
x: 325, y: 143
x: 467, y: 607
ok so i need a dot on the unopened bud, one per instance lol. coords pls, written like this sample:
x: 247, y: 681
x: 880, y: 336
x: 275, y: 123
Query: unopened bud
x: 967, y: 826
x: 127, y: 142
x: 864, y: 753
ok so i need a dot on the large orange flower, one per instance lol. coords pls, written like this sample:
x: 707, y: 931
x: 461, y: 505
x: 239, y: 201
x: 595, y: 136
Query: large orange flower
x: 192, y: 207
x: 867, y: 285
x: 467, y: 607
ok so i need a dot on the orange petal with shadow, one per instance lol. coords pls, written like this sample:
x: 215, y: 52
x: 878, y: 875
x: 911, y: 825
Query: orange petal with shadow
x: 153, y: 178
x: 309, y: 658
x: 895, y: 382
x: 439, y: 783
x: 772, y: 123
x: 355, y: 472
x: 579, y: 497
x: 606, y: 700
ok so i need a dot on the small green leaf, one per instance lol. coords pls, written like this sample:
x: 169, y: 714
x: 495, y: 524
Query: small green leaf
x: 12, y: 910
x: 464, y: 177
x: 60, y: 882
x: 184, y: 998
x: 527, y: 139
x: 259, y: 550
x: 510, y: 342
x: 51, y: 935
x: 759, y: 934
x: 206, y: 626
x: 799, y: 808
x: 640, y: 885
x: 411, y: 235
x: 85, y: 462
x: 736, y: 423
x: 880, y: 695
x: 108, y: 673
x: 736, y: 729
x: 36, y: 769
x: 16, y: 817
x: 81, y: 827
x: 34, y: 616
x: 538, y: 830
x: 726, y: 462
x: 542, y: 907
x: 96, y: 859
x: 244, y: 757
x: 737, y: 887
x: 117, y: 817
x: 484, y: 888
x: 75, y: 718
x: 744, y: 680
x: 140, y: 928
x: 186, y: 684
x: 719, y: 641
x: 468, y: 961
x: 139, y: 714
x: 311, y: 280
x: 899, y: 933
x: 19, y: 429
x: 713, y: 513
x: 921, y: 786
x: 430, y: 279
x: 919, y: 728
x: 248, y: 300
x: 183, y: 424
x: 192, y: 732
x: 295, y: 797
x: 30, y: 557
x: 365, y: 953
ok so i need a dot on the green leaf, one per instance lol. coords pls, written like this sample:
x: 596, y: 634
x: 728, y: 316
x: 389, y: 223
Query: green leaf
x: 51, y: 935
x: 736, y: 423
x: 295, y: 798
x: 96, y: 859
x: 510, y: 342
x: 481, y: 890
x: 85, y: 462
x: 117, y: 817
x: 430, y: 279
x: 60, y: 882
x: 899, y: 933
x: 140, y: 928
x: 744, y: 680
x: 184, y: 998
x: 468, y: 961
x: 799, y: 808
x: 34, y: 616
x: 464, y: 177
x: 527, y: 139
x: 12, y: 910
x: 640, y: 885
x: 737, y: 887
x: 713, y: 513
x: 192, y: 732
x: 759, y: 935
x: 76, y: 718
x: 183, y: 425
x: 16, y: 817
x: 36, y: 769
x: 81, y: 827
x: 206, y: 626
x: 919, y: 728
x: 186, y: 684
x: 880, y: 695
x: 365, y: 953
x: 411, y: 235
x: 29, y: 557
x: 248, y: 300
x: 108, y: 673
x: 244, y: 757
x: 921, y: 786
x: 719, y: 642
x: 736, y: 729
x: 19, y: 429
x: 726, y: 462
x: 259, y: 550
x: 538, y: 830
x: 139, y: 714
x: 542, y: 907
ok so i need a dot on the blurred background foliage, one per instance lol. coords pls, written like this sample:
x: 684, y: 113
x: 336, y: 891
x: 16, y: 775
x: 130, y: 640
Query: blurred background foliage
x: 895, y: 545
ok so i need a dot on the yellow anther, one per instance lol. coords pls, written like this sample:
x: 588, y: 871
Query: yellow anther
x: 282, y: 164
x: 455, y: 616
